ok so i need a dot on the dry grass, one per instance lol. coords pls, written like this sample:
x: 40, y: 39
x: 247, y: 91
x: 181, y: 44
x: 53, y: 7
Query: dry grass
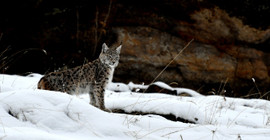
x: 7, y: 57
x: 7, y: 60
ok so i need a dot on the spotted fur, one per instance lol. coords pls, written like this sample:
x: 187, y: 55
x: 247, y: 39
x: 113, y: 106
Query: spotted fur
x: 90, y: 78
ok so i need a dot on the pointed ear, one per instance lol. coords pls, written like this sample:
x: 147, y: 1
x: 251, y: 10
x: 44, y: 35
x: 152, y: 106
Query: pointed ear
x: 104, y: 47
x: 118, y: 49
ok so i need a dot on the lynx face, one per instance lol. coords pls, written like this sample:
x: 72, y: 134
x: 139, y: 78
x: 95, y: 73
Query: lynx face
x: 109, y: 56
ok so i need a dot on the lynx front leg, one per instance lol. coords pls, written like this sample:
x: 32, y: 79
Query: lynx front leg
x: 99, y: 97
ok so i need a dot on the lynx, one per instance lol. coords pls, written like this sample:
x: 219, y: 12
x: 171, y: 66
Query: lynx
x: 91, y: 78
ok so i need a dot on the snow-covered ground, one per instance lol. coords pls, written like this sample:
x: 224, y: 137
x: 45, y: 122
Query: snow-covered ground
x: 27, y: 113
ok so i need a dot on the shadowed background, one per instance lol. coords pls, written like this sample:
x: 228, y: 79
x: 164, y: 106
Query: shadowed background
x: 231, y: 40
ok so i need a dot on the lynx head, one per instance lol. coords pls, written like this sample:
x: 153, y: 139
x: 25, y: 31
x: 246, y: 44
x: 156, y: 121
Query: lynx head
x: 110, y: 56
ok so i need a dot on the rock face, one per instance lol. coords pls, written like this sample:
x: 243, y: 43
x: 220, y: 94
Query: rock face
x: 215, y: 61
x: 216, y: 26
x: 230, y: 47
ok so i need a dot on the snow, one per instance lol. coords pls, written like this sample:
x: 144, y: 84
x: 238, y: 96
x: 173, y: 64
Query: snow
x: 27, y: 113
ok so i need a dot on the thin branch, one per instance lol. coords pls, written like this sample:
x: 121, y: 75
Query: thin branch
x: 19, y: 54
x: 253, y: 79
x: 107, y: 16
x: 171, y: 61
x: 104, y: 24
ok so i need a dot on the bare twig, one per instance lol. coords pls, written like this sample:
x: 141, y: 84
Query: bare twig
x: 236, y: 117
x: 171, y: 61
x: 221, y: 90
x: 253, y: 79
x: 3, y: 52
x: 249, y: 95
x: 165, y: 69
x: 20, y: 53
x: 103, y: 25
x: 264, y: 94
x: 107, y: 15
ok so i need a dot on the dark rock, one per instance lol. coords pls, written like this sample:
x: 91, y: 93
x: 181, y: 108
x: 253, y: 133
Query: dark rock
x: 146, y: 51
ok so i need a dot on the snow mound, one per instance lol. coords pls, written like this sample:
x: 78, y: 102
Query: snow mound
x: 27, y: 113
x: 54, y: 114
